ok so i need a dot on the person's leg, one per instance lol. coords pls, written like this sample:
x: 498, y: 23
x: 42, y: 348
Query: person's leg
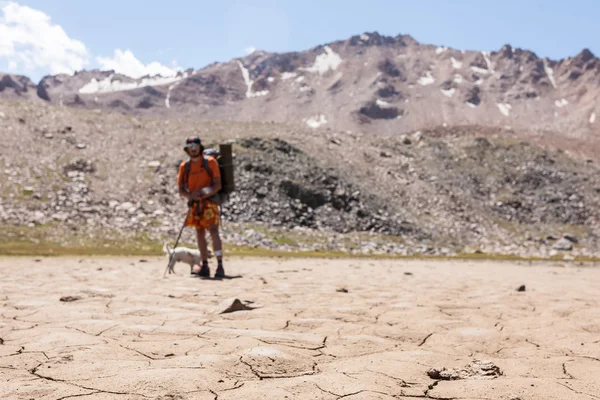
x: 202, y: 246
x: 218, y: 249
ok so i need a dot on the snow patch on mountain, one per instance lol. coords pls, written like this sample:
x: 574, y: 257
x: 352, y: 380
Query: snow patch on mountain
x: 455, y: 63
x: 249, y: 82
x: 329, y: 60
x: 108, y: 85
x: 316, y: 121
x: 550, y: 73
x: 428, y: 79
x: 504, y: 108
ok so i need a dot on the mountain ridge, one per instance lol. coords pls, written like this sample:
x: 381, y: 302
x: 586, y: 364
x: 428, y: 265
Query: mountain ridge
x: 367, y: 83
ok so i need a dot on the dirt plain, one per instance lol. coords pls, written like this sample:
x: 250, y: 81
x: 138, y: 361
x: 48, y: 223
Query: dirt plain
x: 115, y: 328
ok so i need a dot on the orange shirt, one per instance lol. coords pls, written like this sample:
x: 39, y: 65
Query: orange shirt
x: 199, y: 177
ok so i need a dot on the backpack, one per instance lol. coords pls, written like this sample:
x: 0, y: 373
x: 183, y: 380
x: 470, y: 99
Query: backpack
x: 225, y: 169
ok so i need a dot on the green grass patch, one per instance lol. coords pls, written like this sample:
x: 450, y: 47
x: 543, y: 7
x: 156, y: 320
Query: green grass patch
x: 54, y: 240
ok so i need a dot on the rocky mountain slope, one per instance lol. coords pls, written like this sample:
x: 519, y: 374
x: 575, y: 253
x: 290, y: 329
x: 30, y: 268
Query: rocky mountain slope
x: 444, y: 190
x: 368, y: 83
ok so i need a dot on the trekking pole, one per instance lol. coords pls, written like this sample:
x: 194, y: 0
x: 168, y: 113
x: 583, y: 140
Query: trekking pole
x: 169, y: 268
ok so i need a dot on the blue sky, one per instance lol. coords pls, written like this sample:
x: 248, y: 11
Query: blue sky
x: 186, y: 33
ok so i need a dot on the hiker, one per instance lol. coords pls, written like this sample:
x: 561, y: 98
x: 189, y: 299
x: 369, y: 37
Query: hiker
x: 204, y: 214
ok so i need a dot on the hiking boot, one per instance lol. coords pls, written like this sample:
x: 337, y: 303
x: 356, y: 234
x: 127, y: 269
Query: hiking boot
x: 204, y: 271
x: 220, y: 273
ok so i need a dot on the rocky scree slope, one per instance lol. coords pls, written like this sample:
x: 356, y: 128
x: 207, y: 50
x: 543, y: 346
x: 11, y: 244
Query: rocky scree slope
x: 461, y: 188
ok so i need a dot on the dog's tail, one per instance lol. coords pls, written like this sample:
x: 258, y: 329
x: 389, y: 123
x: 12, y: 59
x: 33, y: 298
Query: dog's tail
x: 167, y: 248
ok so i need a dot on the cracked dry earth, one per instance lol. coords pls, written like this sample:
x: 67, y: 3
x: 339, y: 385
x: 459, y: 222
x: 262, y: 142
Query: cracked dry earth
x: 317, y: 329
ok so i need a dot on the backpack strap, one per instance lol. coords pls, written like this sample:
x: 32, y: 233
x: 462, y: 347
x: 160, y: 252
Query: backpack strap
x: 217, y: 196
x: 205, y: 165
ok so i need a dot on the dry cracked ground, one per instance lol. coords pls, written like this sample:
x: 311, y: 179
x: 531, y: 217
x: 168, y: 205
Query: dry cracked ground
x: 114, y: 328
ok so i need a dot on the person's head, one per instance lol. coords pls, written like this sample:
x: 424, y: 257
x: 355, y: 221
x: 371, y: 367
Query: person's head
x: 193, y: 147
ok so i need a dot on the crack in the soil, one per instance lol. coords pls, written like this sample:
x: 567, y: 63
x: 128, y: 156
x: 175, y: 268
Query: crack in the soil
x: 326, y: 391
x: 187, y: 353
x: 251, y: 368
x: 261, y: 376
x: 564, y: 367
x: 21, y: 351
x: 16, y: 317
x: 236, y: 385
x: 402, y: 382
x: 377, y: 317
x: 578, y: 392
x: 107, y: 329
x: 425, y: 339
x: 77, y: 395
x: 349, y: 375
x: 363, y: 391
x: 139, y: 352
x: 34, y: 372
x: 445, y: 312
x: 430, y: 387
x: 24, y: 329
x: 99, y: 377
x: 319, y: 347
x: 588, y: 357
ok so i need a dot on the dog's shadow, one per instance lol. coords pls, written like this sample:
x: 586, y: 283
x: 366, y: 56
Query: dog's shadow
x: 226, y: 277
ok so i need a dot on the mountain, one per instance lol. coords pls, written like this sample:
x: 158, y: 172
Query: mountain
x: 367, y: 83
x: 17, y: 87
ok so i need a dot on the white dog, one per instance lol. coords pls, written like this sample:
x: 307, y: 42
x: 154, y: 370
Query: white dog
x: 184, y: 255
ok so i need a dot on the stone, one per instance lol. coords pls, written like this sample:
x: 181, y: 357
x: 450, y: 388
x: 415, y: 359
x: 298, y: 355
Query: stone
x: 233, y: 305
x: 571, y: 238
x: 563, y: 245
x: 68, y: 299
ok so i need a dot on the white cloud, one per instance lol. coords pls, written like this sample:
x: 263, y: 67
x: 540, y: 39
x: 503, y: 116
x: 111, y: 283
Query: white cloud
x: 125, y: 63
x: 250, y: 50
x: 31, y: 43
x: 29, y: 40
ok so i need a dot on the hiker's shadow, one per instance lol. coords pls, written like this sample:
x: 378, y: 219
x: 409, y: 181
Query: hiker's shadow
x: 226, y: 277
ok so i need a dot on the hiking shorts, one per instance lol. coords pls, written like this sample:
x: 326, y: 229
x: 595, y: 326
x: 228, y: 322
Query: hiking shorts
x: 203, y: 217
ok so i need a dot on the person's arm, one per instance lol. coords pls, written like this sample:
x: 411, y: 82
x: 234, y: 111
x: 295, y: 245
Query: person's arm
x: 182, y: 190
x: 209, y: 191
